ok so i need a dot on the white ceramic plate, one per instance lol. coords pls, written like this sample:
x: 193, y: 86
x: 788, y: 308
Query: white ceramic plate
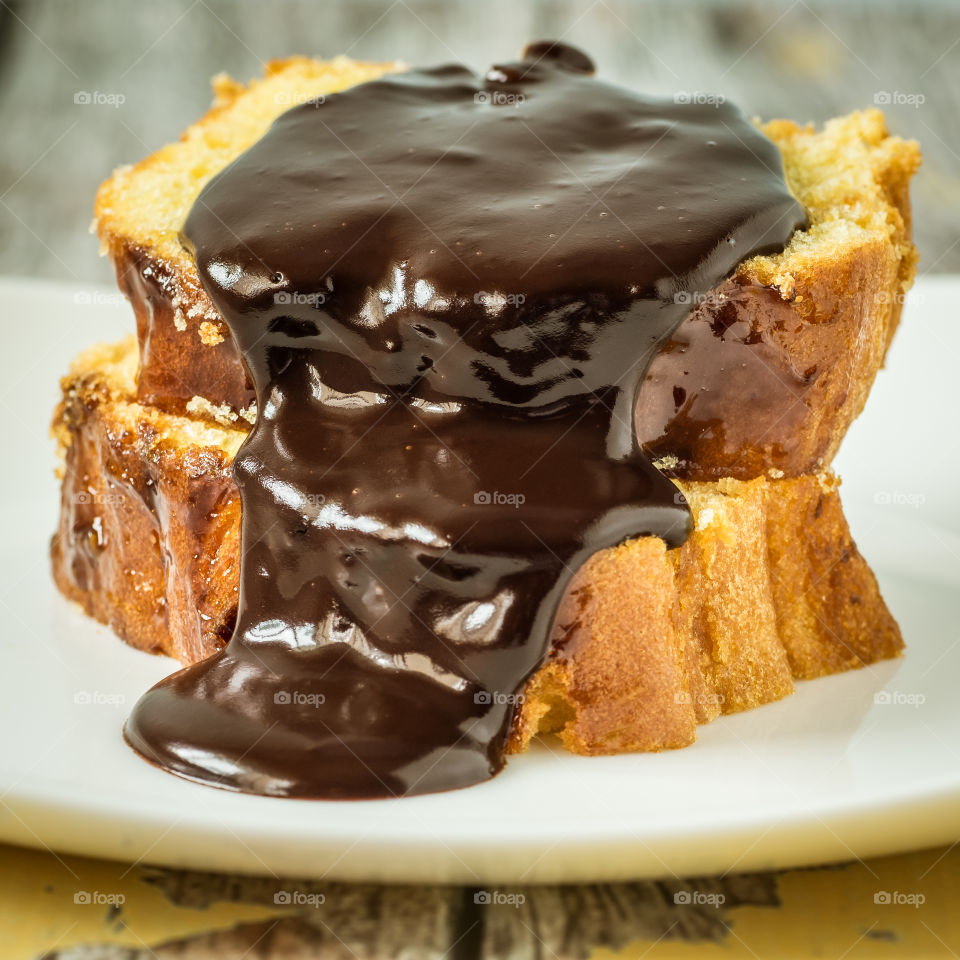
x: 850, y: 766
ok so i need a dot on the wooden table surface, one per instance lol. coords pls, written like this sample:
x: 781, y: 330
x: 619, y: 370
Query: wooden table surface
x: 69, y: 908
x: 806, y: 60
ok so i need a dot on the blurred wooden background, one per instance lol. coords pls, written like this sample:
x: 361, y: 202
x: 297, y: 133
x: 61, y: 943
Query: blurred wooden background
x: 805, y: 59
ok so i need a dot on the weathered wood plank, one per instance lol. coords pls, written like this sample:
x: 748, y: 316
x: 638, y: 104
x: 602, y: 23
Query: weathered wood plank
x: 368, y: 922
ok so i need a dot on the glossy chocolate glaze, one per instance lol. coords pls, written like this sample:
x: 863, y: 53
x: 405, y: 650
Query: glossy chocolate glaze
x: 446, y: 290
x: 727, y: 394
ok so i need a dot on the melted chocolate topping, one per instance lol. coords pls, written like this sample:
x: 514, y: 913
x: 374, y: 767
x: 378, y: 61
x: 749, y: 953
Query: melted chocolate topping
x: 446, y: 290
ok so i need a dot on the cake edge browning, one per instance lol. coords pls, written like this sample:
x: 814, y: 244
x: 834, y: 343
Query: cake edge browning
x: 647, y: 642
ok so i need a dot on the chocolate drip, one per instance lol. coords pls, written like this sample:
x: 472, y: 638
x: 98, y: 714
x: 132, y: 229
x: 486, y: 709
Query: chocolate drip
x: 446, y: 291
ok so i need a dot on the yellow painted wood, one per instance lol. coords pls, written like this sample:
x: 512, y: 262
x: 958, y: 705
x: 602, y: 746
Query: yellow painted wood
x: 839, y: 913
x: 903, y: 906
x: 39, y: 912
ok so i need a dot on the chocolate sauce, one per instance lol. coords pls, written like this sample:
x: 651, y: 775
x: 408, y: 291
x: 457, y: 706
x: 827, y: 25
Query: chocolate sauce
x: 446, y: 290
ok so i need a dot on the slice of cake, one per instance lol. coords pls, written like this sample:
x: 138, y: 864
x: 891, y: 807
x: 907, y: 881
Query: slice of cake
x: 808, y: 327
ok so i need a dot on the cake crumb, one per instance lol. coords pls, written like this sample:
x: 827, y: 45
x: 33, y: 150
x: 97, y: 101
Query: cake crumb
x: 210, y: 334
x: 221, y: 412
x: 249, y: 413
x: 775, y: 473
x: 669, y: 462
x: 179, y: 320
